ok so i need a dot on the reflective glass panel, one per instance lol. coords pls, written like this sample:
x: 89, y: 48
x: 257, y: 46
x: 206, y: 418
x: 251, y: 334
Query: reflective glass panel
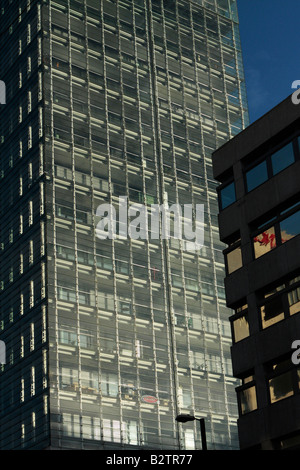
x: 248, y: 400
x: 234, y: 260
x: 283, y: 158
x: 281, y: 387
x: 293, y: 281
x: 294, y: 301
x: 274, y: 291
x: 264, y: 242
x: 290, y: 227
x: 257, y: 176
x: 241, y: 328
x: 272, y: 312
x: 228, y: 195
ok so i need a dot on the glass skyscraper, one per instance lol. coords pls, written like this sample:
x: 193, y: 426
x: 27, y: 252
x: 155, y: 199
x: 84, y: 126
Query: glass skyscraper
x: 107, y: 341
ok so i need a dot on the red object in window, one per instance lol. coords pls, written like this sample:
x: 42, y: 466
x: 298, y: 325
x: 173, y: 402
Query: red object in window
x: 266, y: 239
x: 149, y: 399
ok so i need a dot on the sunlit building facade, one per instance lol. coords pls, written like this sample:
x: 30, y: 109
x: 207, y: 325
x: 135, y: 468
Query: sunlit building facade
x: 109, y: 340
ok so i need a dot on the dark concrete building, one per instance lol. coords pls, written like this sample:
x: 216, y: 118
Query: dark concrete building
x: 259, y: 220
x: 109, y: 339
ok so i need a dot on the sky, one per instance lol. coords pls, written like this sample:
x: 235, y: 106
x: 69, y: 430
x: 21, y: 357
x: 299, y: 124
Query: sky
x: 270, y: 37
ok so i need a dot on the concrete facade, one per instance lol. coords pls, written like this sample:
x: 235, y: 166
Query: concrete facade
x: 273, y: 423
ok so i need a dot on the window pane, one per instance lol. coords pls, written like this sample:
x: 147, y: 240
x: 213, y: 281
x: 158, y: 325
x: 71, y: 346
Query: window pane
x: 228, y: 195
x: 283, y: 158
x: 294, y: 301
x: 240, y: 328
x: 264, y: 242
x: 272, y: 312
x: 234, y: 260
x: 290, y: 227
x: 248, y: 400
x: 274, y: 291
x: 257, y: 176
x: 281, y: 387
x: 248, y: 379
x: 243, y: 307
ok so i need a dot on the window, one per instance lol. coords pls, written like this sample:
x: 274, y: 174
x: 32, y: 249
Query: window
x: 248, y: 400
x: 272, y: 164
x: 109, y: 384
x: 68, y: 337
x: 32, y: 385
x: 285, y: 226
x: 30, y: 213
x: 280, y: 302
x: 294, y: 301
x: 247, y: 395
x: 233, y: 254
x: 227, y: 195
x: 67, y: 295
x: 65, y: 252
x: 264, y: 242
x: 256, y: 176
x: 282, y: 158
x: 272, y: 312
x: 22, y: 394
x: 283, y: 379
x: 290, y: 227
x: 234, y: 260
x: 240, y: 324
x: 32, y: 337
x: 125, y: 308
x: 31, y: 296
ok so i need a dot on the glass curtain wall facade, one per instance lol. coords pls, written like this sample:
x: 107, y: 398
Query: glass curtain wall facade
x: 123, y: 98
x: 24, y: 392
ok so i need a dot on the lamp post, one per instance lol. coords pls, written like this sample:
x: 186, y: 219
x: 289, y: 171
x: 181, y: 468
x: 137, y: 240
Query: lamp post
x: 183, y: 418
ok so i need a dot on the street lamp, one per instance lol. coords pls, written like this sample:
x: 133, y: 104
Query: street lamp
x: 183, y: 418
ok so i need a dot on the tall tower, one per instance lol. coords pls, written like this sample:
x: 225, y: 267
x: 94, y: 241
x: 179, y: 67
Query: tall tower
x: 108, y: 340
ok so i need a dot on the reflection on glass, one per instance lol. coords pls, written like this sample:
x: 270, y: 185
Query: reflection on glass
x: 241, y: 328
x: 274, y: 291
x: 283, y: 158
x: 248, y: 400
x: 234, y: 260
x: 290, y: 227
x: 227, y: 195
x: 257, y: 176
x: 264, y: 242
x: 298, y: 377
x: 292, y: 281
x: 272, y: 312
x: 281, y: 387
x: 294, y: 301
x: 248, y: 379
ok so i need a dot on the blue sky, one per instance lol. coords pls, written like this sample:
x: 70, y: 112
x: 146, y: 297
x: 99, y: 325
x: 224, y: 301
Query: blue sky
x: 270, y: 37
